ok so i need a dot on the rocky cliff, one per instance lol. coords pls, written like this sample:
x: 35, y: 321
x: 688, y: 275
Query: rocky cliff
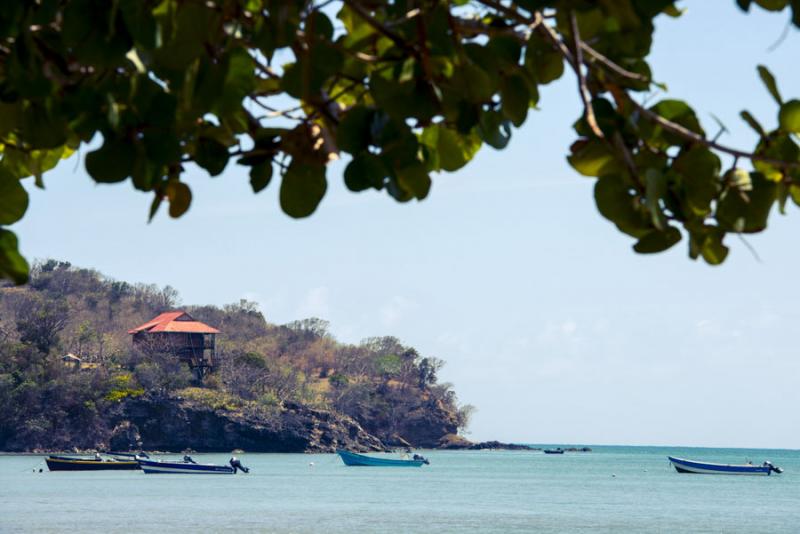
x: 177, y: 424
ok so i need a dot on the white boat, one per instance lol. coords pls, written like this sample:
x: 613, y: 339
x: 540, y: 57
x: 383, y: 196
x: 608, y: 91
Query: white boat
x: 682, y: 465
x: 189, y: 467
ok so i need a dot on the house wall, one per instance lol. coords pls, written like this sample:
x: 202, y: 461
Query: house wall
x: 191, y: 347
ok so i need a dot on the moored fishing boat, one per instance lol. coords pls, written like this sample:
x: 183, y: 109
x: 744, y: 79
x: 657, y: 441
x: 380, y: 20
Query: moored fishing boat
x: 554, y: 451
x: 354, y: 459
x: 188, y: 466
x: 67, y: 463
x: 682, y: 465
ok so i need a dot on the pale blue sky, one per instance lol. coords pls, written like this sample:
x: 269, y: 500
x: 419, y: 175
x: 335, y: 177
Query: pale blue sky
x: 548, y: 321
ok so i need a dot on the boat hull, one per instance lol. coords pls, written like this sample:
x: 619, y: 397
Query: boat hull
x: 360, y: 460
x: 180, y: 468
x: 682, y: 465
x: 67, y: 464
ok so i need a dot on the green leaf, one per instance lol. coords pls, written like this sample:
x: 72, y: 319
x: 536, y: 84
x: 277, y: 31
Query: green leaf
x: 13, y: 198
x: 474, y: 82
x: 302, y: 188
x: 794, y: 192
x: 145, y: 173
x: 707, y: 241
x: 676, y: 111
x: 655, y: 188
x: 180, y: 197
x: 778, y: 146
x: 593, y: 157
x: 366, y: 170
x: 789, y: 116
x: 240, y: 81
x: 12, y: 264
x: 739, y: 178
x: 112, y: 162
x: 452, y: 150
x: 516, y: 98
x: 321, y: 24
x: 714, y: 252
x: 616, y: 203
x: 354, y: 131
x: 769, y: 83
x: 403, y: 100
x: 162, y: 146
x: 607, y: 119
x: 279, y: 27
x: 158, y: 198
x: 260, y: 176
x: 543, y: 62
x: 414, y: 180
x: 43, y: 128
x: 186, y: 28
x: 699, y: 168
x: 673, y: 11
x: 139, y: 22
x: 494, y: 129
x: 305, y: 78
x: 754, y: 124
x: 795, y: 12
x: 747, y: 211
x: 657, y: 241
x: 24, y: 163
x: 92, y: 33
x: 505, y: 48
x: 772, y: 5
x: 211, y: 155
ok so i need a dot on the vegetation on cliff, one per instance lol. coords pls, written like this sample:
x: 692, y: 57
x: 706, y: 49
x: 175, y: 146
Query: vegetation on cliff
x: 267, y: 374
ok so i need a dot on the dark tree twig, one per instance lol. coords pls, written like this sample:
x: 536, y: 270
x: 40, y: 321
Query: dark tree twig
x: 583, y: 90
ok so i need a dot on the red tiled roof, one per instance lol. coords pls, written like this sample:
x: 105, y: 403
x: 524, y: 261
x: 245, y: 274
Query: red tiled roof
x: 175, y: 321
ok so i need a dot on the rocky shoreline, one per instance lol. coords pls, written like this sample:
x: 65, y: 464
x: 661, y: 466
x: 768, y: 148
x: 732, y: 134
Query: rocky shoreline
x: 175, y: 424
x: 455, y: 442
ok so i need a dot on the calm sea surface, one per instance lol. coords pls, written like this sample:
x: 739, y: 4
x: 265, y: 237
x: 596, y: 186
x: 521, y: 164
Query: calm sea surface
x: 481, y: 491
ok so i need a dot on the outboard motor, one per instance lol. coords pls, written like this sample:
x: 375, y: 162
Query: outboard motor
x: 421, y: 458
x: 188, y: 459
x: 236, y: 464
x: 772, y: 468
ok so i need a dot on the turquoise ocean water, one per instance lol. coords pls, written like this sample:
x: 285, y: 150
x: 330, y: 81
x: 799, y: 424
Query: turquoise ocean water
x: 612, y: 489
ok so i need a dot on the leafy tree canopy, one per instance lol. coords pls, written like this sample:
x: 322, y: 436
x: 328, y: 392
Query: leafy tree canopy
x: 402, y: 89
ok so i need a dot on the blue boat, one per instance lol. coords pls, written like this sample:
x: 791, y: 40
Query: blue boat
x: 554, y: 451
x: 682, y: 465
x: 353, y: 459
x: 189, y: 467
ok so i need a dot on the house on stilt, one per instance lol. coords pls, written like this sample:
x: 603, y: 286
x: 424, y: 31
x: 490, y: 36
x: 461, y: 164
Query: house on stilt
x: 178, y: 334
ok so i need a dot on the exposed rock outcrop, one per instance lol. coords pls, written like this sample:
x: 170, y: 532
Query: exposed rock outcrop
x: 455, y: 442
x: 169, y: 424
x: 424, y: 426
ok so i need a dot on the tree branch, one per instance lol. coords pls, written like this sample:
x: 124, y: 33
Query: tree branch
x: 381, y: 28
x: 689, y: 135
x: 273, y: 112
x: 610, y: 65
x: 586, y: 96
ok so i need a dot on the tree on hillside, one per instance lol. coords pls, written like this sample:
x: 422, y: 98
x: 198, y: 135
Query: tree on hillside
x: 401, y: 89
x: 40, y: 321
x: 314, y: 327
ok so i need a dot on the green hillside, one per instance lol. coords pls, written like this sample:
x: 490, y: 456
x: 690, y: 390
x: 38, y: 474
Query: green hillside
x: 53, y: 401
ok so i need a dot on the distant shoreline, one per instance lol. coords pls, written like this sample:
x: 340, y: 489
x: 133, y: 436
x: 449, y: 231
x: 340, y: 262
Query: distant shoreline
x: 474, y: 447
